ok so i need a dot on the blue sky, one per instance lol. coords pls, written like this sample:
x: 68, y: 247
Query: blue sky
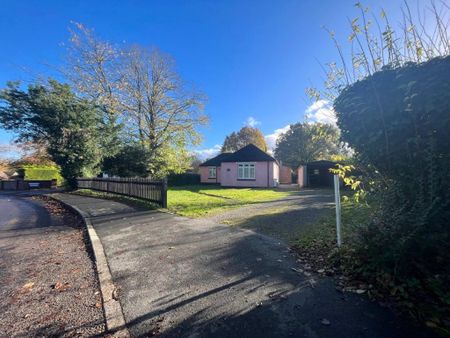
x: 253, y: 59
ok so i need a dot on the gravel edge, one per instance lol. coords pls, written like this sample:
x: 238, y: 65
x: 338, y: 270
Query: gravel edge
x: 115, y: 320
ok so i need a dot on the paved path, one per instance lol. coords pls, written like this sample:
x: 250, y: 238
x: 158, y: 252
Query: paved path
x: 180, y: 277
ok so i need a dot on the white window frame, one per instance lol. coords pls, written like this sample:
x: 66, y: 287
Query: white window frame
x: 246, y: 171
x: 212, y: 170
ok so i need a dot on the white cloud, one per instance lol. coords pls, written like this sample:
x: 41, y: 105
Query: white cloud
x: 206, y: 153
x: 271, y: 139
x: 321, y: 111
x: 9, y: 151
x: 252, y: 122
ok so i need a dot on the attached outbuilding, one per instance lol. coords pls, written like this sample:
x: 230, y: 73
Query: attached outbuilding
x: 316, y: 174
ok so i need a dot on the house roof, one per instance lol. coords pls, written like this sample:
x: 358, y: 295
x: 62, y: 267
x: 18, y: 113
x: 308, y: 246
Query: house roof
x: 215, y: 161
x: 249, y: 153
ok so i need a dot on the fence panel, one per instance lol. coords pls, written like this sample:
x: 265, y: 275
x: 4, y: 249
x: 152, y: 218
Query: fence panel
x: 154, y: 191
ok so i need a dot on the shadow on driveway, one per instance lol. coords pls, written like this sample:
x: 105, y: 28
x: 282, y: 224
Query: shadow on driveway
x: 181, y: 277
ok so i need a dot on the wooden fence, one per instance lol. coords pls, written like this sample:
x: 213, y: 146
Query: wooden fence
x: 154, y: 191
x: 19, y: 184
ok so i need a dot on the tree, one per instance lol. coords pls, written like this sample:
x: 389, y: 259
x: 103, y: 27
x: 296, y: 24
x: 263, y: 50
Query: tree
x: 130, y: 161
x: 34, y: 154
x: 54, y: 116
x: 140, y: 87
x: 245, y: 136
x: 195, y: 164
x: 306, y: 142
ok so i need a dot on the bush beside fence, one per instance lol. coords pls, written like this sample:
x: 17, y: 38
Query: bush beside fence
x: 154, y: 191
x: 183, y: 179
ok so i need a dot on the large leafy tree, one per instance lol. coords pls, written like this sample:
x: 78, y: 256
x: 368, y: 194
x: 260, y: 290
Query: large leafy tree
x: 140, y: 88
x: 130, y: 161
x: 52, y: 115
x: 306, y: 142
x: 243, y: 137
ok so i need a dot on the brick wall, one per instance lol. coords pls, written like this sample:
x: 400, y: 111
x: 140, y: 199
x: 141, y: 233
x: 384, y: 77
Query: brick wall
x: 285, y: 175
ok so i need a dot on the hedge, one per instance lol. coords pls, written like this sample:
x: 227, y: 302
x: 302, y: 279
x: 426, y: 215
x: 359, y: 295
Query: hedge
x: 41, y: 173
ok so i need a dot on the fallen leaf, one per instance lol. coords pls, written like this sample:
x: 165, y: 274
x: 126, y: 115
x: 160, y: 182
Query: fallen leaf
x: 60, y: 286
x: 430, y: 324
x: 325, y: 321
x: 57, y: 286
x: 28, y: 285
x: 115, y: 294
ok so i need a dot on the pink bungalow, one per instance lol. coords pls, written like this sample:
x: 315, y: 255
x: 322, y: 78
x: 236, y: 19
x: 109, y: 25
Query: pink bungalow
x: 247, y: 167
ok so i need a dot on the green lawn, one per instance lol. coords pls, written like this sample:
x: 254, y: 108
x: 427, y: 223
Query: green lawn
x: 197, y: 201
x: 201, y: 200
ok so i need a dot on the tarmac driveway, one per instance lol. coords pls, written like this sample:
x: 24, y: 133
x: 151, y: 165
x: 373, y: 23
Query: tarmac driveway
x: 285, y: 219
x: 181, y: 277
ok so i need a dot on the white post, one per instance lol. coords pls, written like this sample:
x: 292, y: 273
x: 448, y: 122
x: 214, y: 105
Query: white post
x: 337, y: 200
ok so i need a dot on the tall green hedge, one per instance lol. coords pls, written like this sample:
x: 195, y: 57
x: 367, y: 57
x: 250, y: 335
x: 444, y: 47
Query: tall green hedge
x: 398, y: 122
x: 33, y: 172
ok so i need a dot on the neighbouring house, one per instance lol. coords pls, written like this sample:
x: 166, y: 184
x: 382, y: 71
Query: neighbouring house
x: 316, y: 174
x: 3, y: 175
x: 247, y: 167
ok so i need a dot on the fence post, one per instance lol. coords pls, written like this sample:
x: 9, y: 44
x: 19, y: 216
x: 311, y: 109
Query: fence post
x: 164, y: 193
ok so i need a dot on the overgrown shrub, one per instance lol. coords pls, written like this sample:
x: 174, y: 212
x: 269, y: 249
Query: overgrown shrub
x: 398, y: 122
